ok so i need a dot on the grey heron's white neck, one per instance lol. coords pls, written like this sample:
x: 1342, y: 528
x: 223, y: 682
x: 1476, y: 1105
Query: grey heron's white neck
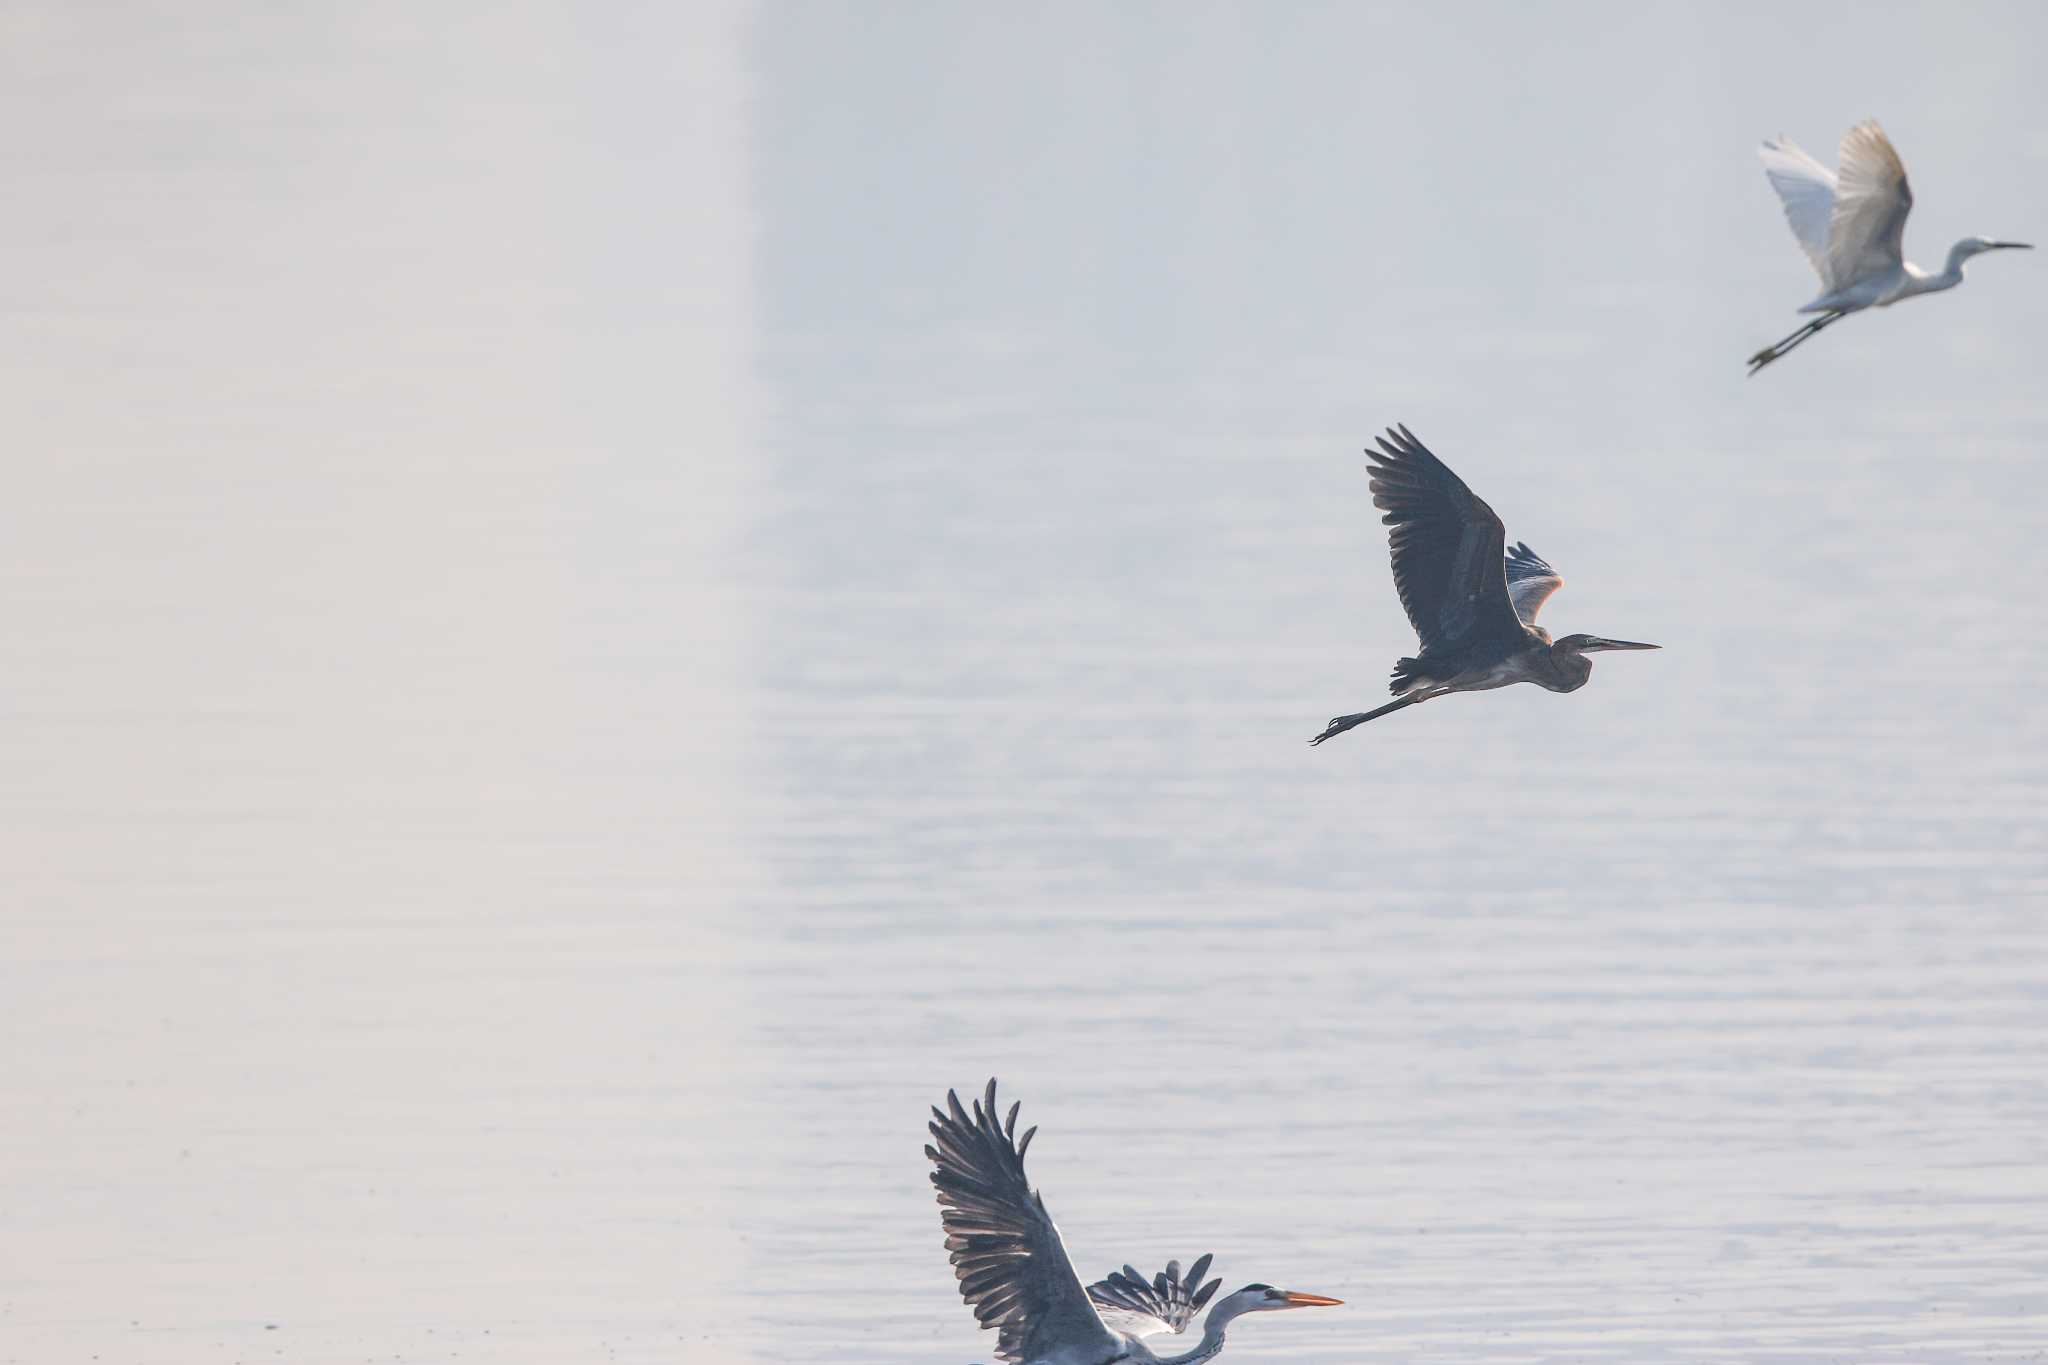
x: 1213, y: 1327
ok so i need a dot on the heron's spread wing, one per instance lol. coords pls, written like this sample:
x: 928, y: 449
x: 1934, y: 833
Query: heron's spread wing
x: 1012, y: 1267
x: 1866, y: 235
x: 1167, y: 1304
x: 1530, y: 582
x: 1447, y: 546
x: 1808, y: 191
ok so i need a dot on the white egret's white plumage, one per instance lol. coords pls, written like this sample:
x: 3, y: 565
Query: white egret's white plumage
x: 1851, y: 223
x: 1014, y: 1271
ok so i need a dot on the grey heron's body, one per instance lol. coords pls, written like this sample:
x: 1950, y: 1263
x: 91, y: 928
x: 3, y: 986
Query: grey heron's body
x: 1472, y: 602
x: 1014, y: 1271
x: 1500, y: 663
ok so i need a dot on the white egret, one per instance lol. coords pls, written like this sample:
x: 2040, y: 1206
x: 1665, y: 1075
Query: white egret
x: 1851, y: 224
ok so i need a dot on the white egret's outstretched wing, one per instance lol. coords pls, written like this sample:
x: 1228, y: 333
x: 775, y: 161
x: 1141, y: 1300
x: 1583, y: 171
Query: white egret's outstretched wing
x: 1867, y: 233
x: 1166, y: 1305
x: 1530, y: 582
x: 1446, y: 544
x: 1012, y: 1267
x: 1808, y: 191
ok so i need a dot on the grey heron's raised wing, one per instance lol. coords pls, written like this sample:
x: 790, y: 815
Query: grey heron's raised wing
x: 1166, y: 1304
x: 1807, y: 190
x: 1867, y: 232
x: 1530, y: 581
x: 1013, y: 1269
x: 1446, y: 543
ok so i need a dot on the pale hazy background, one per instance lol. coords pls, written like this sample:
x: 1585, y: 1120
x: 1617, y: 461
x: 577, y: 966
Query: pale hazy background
x: 604, y: 600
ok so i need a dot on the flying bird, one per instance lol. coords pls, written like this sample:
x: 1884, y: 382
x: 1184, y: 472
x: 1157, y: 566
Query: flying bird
x: 1473, y: 605
x: 1014, y: 1272
x: 1851, y: 225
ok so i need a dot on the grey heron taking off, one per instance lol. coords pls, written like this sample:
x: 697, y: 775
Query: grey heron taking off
x: 1014, y: 1271
x: 1852, y: 225
x: 1472, y: 605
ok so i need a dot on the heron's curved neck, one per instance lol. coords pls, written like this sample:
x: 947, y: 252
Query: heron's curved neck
x: 1572, y: 666
x: 1213, y: 1327
x: 1957, y: 254
x: 1951, y: 273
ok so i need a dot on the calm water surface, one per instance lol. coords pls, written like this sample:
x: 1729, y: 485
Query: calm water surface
x: 602, y: 606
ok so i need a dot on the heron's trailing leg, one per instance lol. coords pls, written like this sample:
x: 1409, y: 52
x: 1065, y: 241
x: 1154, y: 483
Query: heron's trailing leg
x: 1338, y: 725
x: 1793, y: 342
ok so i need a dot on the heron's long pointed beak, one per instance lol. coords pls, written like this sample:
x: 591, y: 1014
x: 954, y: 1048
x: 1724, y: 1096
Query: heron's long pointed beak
x: 1619, y: 644
x: 1295, y: 1300
x: 2012, y: 246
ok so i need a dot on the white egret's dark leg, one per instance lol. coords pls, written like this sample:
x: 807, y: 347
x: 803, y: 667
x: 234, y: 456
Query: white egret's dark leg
x: 1783, y: 346
x: 1792, y: 342
x: 1804, y: 335
x: 1340, y: 724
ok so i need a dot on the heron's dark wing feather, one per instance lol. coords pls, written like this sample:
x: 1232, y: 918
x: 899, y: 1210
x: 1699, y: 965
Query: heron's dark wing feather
x: 1447, y: 546
x: 1530, y: 582
x: 1013, y: 1269
x: 1168, y: 1303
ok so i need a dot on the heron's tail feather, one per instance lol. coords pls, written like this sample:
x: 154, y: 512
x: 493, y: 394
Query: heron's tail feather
x: 1408, y: 672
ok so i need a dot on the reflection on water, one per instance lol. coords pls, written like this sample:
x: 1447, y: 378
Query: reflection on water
x: 577, y: 666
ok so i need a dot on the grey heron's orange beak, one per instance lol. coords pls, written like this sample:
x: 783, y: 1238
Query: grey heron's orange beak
x: 1600, y: 643
x: 1295, y: 1300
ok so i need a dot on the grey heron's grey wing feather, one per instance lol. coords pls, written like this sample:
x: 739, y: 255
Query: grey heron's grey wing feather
x: 1447, y: 546
x: 1867, y: 233
x: 1012, y: 1267
x: 1807, y: 190
x: 1166, y: 1303
x: 1531, y: 581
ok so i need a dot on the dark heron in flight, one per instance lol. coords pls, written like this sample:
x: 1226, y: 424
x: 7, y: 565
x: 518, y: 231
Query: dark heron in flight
x: 1014, y: 1272
x: 1473, y: 607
